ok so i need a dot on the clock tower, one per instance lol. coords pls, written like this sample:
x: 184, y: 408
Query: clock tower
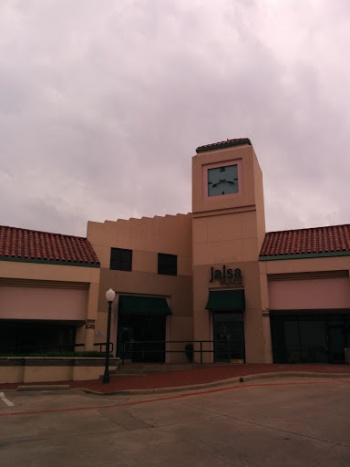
x: 228, y: 231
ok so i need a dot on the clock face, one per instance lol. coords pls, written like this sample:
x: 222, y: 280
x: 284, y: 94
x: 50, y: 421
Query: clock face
x: 223, y: 180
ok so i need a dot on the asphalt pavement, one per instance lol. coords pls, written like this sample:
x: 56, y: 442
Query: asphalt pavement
x: 289, y: 421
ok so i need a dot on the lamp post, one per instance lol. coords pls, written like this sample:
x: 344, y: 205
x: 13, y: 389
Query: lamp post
x: 110, y: 295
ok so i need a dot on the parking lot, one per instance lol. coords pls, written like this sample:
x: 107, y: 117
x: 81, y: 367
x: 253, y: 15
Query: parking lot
x: 280, y: 422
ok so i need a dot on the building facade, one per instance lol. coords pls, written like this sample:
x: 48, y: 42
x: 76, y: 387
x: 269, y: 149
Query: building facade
x: 228, y: 232
x: 210, y: 285
x: 238, y: 293
x: 307, y: 276
x: 49, y: 285
x: 148, y: 263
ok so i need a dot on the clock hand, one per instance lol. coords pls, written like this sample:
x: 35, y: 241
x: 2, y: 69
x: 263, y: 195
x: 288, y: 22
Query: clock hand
x: 220, y: 181
x: 231, y: 182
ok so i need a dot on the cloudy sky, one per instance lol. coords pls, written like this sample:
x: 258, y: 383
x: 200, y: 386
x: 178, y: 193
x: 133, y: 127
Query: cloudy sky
x: 103, y: 103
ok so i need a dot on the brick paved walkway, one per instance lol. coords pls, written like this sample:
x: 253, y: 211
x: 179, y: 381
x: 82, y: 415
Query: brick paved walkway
x: 190, y: 377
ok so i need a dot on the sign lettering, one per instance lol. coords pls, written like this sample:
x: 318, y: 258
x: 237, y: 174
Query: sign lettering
x: 226, y: 275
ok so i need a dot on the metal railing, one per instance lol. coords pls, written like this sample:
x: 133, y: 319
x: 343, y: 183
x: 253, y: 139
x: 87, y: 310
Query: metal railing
x: 104, y: 345
x: 156, y: 351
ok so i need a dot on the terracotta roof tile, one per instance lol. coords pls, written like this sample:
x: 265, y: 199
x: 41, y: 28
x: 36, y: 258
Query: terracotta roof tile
x: 224, y: 144
x: 318, y: 240
x: 16, y: 243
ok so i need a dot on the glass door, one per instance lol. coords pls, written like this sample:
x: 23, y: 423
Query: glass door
x: 336, y: 344
x: 143, y: 338
x: 228, y: 337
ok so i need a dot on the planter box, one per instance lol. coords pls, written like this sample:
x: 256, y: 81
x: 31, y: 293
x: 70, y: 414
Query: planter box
x: 48, y: 369
x: 11, y: 370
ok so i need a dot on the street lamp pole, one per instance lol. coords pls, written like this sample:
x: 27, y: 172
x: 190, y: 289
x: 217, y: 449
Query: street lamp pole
x: 110, y: 295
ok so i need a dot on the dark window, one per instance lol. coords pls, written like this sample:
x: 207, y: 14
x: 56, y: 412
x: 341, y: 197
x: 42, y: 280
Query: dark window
x: 309, y: 338
x: 167, y: 264
x: 36, y: 338
x: 121, y: 259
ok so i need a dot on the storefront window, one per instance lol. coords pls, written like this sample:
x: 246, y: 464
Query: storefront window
x: 310, y: 338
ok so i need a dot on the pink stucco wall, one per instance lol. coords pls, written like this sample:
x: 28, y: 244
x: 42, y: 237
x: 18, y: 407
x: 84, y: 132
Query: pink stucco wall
x: 42, y: 303
x: 309, y: 294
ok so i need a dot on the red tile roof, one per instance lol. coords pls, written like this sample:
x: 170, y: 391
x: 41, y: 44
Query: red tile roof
x: 223, y: 144
x: 31, y: 245
x: 333, y: 239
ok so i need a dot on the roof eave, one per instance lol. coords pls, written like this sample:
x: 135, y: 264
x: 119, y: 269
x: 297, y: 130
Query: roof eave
x: 304, y: 256
x: 49, y: 262
x: 223, y: 144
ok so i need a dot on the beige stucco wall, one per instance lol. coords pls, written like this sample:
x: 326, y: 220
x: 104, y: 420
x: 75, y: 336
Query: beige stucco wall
x: 147, y: 237
x: 229, y: 230
x: 306, y: 265
x: 30, y: 370
x: 307, y: 294
x: 309, y: 283
x: 44, y: 271
x: 225, y: 238
x: 43, y: 303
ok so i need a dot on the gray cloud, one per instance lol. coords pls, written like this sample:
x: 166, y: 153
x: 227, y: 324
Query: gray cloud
x: 102, y: 105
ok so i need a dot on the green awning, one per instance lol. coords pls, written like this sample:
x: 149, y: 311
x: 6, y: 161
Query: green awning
x: 226, y: 300
x: 136, y: 305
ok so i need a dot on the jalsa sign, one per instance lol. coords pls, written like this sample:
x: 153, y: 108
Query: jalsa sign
x: 226, y: 275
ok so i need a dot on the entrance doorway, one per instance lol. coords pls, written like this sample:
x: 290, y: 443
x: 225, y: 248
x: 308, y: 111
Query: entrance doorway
x: 142, y: 338
x: 228, y: 337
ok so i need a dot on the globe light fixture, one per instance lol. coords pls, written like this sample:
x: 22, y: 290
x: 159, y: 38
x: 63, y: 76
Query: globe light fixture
x: 110, y: 296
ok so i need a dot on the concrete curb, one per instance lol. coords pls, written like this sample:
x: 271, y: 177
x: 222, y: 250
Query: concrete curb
x: 295, y: 374
x: 42, y: 387
x: 140, y: 392
x: 220, y: 383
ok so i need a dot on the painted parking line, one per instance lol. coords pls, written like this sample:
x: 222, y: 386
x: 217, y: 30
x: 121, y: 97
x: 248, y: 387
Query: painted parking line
x: 171, y: 397
x: 6, y: 400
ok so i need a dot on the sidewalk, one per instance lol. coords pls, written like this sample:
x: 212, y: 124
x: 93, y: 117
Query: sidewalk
x: 193, y: 377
